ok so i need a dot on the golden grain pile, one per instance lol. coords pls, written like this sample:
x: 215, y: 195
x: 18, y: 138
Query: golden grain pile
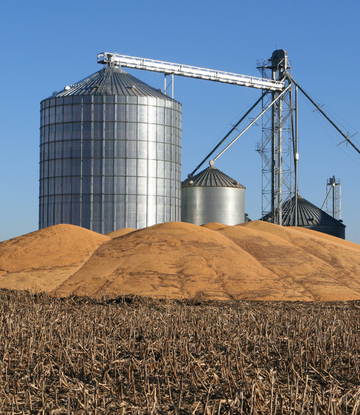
x: 252, y: 261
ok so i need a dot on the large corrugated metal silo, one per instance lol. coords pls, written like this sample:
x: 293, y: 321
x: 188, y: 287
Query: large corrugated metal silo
x: 212, y: 196
x: 110, y: 154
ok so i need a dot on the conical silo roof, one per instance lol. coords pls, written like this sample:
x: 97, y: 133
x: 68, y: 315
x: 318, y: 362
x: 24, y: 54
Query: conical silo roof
x: 211, y: 177
x: 112, y: 81
x: 308, y: 214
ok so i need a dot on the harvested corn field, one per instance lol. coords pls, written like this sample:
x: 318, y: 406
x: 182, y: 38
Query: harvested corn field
x: 135, y: 355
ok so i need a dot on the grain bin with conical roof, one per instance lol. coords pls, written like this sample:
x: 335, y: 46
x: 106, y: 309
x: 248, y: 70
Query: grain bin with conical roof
x: 309, y: 217
x: 110, y: 154
x: 212, y: 196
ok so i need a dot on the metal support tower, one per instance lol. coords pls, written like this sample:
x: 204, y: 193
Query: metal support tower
x: 333, y: 198
x: 277, y: 145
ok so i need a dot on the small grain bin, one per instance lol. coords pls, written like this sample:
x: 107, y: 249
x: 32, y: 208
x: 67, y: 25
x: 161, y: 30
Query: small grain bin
x: 310, y: 217
x: 212, y: 196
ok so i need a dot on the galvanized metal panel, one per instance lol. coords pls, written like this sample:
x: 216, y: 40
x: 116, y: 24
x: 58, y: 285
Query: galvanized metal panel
x: 200, y: 205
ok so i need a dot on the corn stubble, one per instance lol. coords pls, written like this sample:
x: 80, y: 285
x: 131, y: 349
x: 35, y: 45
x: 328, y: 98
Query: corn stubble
x: 134, y: 355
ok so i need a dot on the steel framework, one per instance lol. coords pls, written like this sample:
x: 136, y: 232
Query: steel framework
x: 279, y: 142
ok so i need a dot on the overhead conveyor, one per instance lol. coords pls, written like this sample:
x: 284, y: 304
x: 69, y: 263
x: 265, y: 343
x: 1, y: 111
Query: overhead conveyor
x: 169, y: 68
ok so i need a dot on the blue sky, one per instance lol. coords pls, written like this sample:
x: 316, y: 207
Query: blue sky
x: 49, y: 44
